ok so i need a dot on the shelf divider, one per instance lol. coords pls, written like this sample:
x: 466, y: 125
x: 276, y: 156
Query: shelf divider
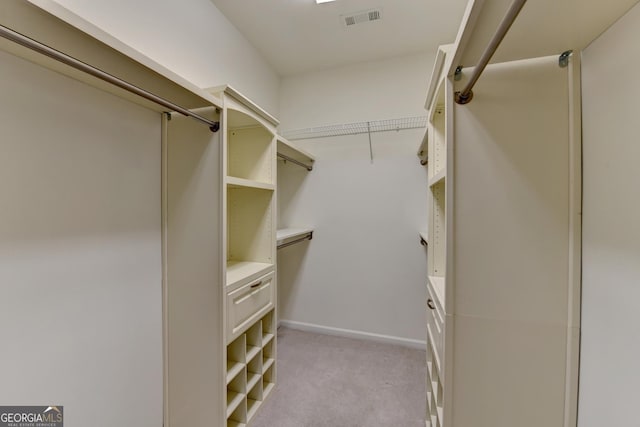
x: 235, y: 182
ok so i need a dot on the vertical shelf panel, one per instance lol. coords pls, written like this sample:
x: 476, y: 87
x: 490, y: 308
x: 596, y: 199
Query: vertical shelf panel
x: 438, y: 230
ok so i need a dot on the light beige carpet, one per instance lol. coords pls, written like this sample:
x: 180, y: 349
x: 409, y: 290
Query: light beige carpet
x: 327, y: 381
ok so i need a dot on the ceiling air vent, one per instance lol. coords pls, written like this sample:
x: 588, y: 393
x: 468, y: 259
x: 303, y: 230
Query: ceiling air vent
x: 360, y: 17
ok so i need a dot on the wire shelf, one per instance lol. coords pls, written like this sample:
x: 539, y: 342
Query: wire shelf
x: 357, y: 128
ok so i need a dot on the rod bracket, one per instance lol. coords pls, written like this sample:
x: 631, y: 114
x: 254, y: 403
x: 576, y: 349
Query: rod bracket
x: 462, y: 99
x: 215, y: 127
x: 563, y: 60
x: 457, y: 76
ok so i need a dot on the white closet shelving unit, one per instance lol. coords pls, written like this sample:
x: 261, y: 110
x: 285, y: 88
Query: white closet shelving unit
x: 290, y: 153
x: 433, y: 153
x: 249, y: 222
x: 504, y: 221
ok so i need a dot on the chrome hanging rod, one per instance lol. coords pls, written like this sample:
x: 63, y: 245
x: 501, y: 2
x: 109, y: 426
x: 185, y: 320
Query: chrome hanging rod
x: 308, y: 236
x: 295, y: 162
x: 466, y: 95
x: 43, y: 49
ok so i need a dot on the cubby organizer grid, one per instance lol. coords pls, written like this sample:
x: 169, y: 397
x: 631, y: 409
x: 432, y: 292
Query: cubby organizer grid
x: 250, y: 370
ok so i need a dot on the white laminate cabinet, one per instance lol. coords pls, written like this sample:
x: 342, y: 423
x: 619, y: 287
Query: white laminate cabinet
x: 249, y: 222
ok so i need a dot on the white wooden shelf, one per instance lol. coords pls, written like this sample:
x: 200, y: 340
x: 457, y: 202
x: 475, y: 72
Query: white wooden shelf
x: 234, y: 400
x: 266, y: 338
x: 235, y: 182
x: 288, y: 236
x: 287, y: 150
x: 253, y: 379
x: 244, y: 271
x: 233, y: 369
x: 438, y: 177
x: 252, y: 352
x: 252, y: 408
x: 267, y: 389
x: 268, y: 362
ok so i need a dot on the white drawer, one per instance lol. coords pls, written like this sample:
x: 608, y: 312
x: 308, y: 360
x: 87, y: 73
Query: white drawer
x: 435, y: 326
x: 248, y: 303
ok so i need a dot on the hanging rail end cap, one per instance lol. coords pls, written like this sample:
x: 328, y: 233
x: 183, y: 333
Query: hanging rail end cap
x: 462, y: 99
x: 563, y: 60
x: 215, y: 127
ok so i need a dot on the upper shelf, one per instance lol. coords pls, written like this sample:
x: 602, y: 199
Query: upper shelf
x: 543, y: 27
x: 244, y: 101
x: 290, y: 151
x: 235, y: 182
x: 288, y: 236
x: 50, y: 23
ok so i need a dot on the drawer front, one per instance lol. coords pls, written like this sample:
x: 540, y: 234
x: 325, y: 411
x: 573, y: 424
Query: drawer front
x: 248, y: 303
x: 435, y: 327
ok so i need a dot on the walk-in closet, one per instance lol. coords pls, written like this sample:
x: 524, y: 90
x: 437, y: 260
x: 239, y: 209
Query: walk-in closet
x: 319, y: 213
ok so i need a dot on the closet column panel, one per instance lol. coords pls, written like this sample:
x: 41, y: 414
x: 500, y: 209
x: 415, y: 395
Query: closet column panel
x: 193, y: 272
x: 514, y: 248
x: 611, y: 269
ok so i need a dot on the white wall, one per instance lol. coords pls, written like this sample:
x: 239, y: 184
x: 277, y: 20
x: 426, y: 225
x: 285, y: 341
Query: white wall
x: 610, y: 353
x: 193, y: 39
x: 375, y: 90
x: 364, y: 270
x: 80, y: 250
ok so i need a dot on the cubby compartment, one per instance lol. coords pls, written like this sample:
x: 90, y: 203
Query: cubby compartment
x: 239, y: 417
x: 268, y: 328
x: 268, y: 355
x: 250, y: 149
x: 250, y: 369
x: 268, y: 381
x: 236, y: 357
x: 254, y: 341
x: 237, y: 393
x: 254, y: 399
x: 250, y: 233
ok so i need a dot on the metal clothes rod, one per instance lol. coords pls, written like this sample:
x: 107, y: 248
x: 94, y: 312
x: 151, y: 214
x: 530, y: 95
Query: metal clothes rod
x: 294, y: 161
x: 293, y: 242
x: 466, y: 95
x: 34, y: 45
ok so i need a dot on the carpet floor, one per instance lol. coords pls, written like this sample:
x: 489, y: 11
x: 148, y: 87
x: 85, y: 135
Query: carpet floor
x: 328, y: 381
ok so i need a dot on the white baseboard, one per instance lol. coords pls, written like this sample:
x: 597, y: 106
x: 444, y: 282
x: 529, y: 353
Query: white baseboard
x: 348, y: 333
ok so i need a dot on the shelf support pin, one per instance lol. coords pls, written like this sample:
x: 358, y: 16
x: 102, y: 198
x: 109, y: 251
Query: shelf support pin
x: 457, y: 76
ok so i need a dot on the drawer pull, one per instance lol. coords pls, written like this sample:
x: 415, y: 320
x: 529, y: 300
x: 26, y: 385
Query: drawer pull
x: 430, y: 304
x: 255, y: 285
